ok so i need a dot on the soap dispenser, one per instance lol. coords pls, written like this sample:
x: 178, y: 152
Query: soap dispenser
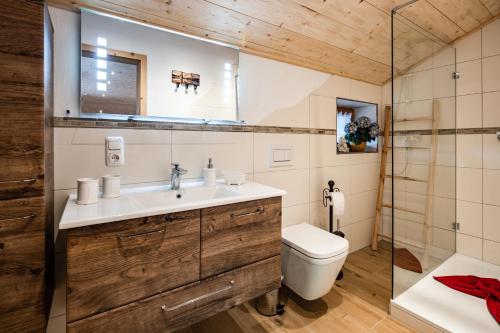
x: 209, y: 174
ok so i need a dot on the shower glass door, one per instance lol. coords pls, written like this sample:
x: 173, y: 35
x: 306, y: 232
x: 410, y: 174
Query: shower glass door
x: 423, y: 155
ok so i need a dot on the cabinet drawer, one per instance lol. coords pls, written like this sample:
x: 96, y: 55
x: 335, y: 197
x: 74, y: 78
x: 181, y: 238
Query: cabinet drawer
x: 22, y: 253
x: 238, y: 234
x: 113, y: 264
x: 187, y: 305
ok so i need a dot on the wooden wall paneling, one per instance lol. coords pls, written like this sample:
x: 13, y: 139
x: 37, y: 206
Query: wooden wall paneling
x: 309, y: 22
x: 467, y: 14
x: 492, y: 5
x: 426, y: 16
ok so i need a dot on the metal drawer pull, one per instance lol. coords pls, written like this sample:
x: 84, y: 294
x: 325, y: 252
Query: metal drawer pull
x: 27, y: 217
x: 30, y: 180
x: 145, y: 233
x: 197, y: 299
x: 259, y: 210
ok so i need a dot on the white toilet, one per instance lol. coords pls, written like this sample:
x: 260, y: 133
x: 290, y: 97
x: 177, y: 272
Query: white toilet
x: 311, y: 259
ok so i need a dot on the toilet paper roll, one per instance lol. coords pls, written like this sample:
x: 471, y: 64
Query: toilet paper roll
x: 338, y: 202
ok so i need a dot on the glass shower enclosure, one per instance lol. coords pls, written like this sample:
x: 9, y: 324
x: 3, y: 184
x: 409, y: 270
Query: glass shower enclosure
x: 422, y: 157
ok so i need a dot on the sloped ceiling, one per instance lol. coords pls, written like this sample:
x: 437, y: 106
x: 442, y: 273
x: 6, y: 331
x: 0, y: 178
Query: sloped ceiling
x: 346, y: 37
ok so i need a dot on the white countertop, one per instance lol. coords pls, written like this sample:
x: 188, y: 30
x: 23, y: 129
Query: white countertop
x: 157, y: 200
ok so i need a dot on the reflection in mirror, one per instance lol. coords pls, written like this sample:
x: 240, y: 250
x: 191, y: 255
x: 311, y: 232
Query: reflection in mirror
x: 357, y: 127
x: 138, y: 70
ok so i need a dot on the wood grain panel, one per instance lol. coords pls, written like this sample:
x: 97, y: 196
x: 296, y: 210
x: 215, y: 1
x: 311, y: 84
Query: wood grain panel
x: 187, y: 305
x: 21, y: 98
x: 467, y: 14
x: 239, y: 234
x: 26, y: 320
x: 492, y: 5
x: 22, y: 264
x: 425, y: 16
x: 112, y: 264
x: 306, y: 20
x: 24, y: 113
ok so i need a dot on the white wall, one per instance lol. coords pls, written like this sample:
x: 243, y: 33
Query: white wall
x: 286, y: 95
x: 478, y: 155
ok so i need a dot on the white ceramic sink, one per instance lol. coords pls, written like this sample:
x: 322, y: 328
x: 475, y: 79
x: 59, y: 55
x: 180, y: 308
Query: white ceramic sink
x: 155, y: 200
x: 185, y: 195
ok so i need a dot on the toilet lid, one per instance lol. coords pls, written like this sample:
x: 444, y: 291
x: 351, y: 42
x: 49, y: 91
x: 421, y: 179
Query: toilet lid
x: 313, y: 241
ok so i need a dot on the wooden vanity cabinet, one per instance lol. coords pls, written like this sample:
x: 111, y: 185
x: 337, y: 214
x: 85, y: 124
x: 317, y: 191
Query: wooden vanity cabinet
x: 239, y: 234
x: 182, y: 307
x: 113, y: 264
x: 166, y: 272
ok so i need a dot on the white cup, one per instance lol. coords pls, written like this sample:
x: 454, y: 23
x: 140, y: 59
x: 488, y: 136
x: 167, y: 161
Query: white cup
x: 88, y: 191
x: 111, y: 186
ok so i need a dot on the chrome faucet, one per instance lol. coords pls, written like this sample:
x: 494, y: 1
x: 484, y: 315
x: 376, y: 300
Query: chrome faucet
x: 175, y: 176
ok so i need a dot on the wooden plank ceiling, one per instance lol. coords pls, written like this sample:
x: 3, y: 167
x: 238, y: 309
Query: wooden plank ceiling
x: 345, y: 37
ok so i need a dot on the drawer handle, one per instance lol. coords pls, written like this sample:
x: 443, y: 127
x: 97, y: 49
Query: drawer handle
x: 197, y: 299
x: 27, y: 217
x: 259, y: 210
x: 30, y: 180
x: 140, y: 234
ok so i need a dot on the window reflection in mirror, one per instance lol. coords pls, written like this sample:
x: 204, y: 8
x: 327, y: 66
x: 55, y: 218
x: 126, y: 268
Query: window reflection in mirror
x: 357, y: 127
x: 127, y: 67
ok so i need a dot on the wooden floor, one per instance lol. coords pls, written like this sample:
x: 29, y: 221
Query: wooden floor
x: 358, y: 303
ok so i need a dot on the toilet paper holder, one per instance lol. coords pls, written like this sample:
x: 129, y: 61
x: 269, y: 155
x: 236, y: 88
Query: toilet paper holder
x: 498, y: 135
x: 326, y: 192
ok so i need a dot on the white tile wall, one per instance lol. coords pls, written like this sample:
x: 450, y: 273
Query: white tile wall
x: 469, y: 152
x: 470, y: 246
x: 470, y: 217
x: 491, y: 115
x: 491, y: 252
x: 491, y: 222
x: 470, y: 77
x: 491, y: 74
x: 478, y: 156
x: 323, y: 112
x: 491, y: 40
x: 469, y: 111
x: 469, y: 48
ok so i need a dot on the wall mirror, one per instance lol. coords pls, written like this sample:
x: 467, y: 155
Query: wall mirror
x: 357, y: 126
x: 137, y: 70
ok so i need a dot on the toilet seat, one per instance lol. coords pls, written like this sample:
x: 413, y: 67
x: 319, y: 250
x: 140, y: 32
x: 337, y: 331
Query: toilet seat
x: 314, y: 242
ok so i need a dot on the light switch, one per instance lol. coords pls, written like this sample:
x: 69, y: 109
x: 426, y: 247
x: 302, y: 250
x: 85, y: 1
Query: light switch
x: 280, y: 156
x: 114, y: 144
x: 115, y: 151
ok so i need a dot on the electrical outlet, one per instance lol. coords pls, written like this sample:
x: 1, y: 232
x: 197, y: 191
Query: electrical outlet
x: 115, y: 151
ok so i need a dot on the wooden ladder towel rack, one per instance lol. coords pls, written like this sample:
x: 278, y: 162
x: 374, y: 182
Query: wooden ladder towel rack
x: 427, y: 213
